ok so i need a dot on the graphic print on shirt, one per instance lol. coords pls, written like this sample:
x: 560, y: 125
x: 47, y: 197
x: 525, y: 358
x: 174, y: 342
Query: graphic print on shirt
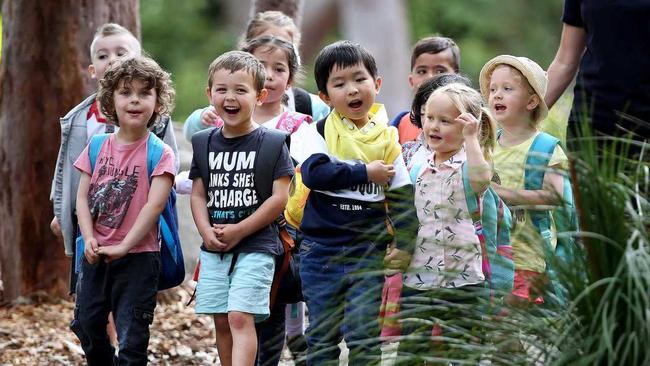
x: 231, y: 188
x: 110, y: 200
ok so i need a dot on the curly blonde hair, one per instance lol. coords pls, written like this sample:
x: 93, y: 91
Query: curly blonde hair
x: 468, y: 100
x: 140, y: 68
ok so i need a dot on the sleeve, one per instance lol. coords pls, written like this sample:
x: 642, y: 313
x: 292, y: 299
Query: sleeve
x: 319, y: 172
x: 572, y: 14
x: 319, y: 109
x: 193, y: 124
x: 401, y: 206
x: 166, y: 165
x: 170, y: 140
x: 559, y: 159
x: 83, y: 162
x: 284, y: 166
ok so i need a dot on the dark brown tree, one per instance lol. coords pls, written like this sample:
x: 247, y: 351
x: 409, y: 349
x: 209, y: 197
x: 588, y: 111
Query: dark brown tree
x: 45, y: 54
x: 292, y: 8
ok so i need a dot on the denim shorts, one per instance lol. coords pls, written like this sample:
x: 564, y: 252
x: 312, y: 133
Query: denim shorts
x: 244, y: 287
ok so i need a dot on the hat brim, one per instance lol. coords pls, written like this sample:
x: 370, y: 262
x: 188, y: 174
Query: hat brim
x: 488, y: 68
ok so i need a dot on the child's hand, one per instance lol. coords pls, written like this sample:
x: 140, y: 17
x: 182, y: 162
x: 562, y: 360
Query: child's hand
x: 113, y: 252
x: 90, y: 250
x: 397, y: 259
x: 209, y: 117
x: 229, y: 234
x: 56, y: 228
x: 380, y: 173
x: 211, y: 241
x: 470, y: 124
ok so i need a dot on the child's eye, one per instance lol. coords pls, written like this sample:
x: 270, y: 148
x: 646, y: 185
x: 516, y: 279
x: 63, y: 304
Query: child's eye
x: 338, y: 85
x: 360, y: 80
x: 440, y: 71
x: 220, y: 90
x: 279, y: 70
x: 421, y: 72
x: 102, y: 57
x: 124, y: 92
x: 241, y: 91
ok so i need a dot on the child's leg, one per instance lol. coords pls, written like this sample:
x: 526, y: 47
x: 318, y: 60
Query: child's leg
x: 133, y: 291
x: 296, y: 341
x: 91, y: 314
x: 112, y: 333
x: 223, y: 338
x: 244, y: 338
x: 321, y: 271
x: 365, y: 280
x: 270, y: 336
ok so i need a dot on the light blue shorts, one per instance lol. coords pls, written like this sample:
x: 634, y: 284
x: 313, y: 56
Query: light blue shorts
x: 246, y: 289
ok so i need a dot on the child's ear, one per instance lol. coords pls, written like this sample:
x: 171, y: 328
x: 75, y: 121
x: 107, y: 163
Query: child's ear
x: 411, y: 80
x: 325, y: 98
x: 208, y: 92
x: 261, y: 96
x: 91, y: 71
x: 377, y: 84
x: 533, y: 102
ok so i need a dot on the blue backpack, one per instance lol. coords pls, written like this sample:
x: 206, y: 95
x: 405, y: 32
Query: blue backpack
x: 537, y: 160
x: 172, y: 269
x: 492, y: 224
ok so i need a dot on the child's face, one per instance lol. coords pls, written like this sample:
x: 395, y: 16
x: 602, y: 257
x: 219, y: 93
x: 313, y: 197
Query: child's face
x: 428, y: 65
x: 442, y: 133
x: 107, y: 50
x: 509, y: 98
x: 351, y: 91
x: 275, y: 31
x: 135, y: 104
x: 277, y: 72
x: 234, y: 97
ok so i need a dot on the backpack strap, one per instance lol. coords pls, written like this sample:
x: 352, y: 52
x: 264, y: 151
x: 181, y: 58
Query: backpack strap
x: 95, y: 145
x: 155, y: 148
x: 539, y: 155
x: 395, y: 122
x: 201, y: 150
x: 267, y: 156
x: 302, y: 101
x: 320, y: 127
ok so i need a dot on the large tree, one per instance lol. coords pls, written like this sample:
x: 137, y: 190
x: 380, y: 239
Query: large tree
x: 45, y: 53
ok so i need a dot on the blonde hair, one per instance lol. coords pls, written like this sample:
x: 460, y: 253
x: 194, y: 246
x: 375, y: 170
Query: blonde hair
x: 523, y: 81
x: 262, y: 20
x: 139, y: 68
x: 111, y: 29
x: 468, y: 100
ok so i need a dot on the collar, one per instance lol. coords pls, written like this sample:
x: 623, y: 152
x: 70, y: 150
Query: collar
x: 94, y: 111
x: 454, y: 162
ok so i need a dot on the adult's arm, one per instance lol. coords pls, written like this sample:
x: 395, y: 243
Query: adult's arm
x: 566, y: 62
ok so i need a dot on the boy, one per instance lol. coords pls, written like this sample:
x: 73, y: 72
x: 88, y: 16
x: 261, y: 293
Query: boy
x: 120, y: 198
x: 431, y: 56
x: 515, y: 89
x: 354, y: 169
x: 111, y: 43
x: 239, y: 236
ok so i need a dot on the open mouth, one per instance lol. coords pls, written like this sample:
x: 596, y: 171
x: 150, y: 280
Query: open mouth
x: 134, y: 113
x: 499, y: 107
x: 355, y: 104
x: 231, y: 110
x: 435, y: 138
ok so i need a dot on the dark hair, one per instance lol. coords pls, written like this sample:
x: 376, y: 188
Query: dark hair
x: 342, y: 54
x: 436, y: 45
x: 139, y: 68
x: 270, y: 43
x: 234, y: 61
x: 425, y: 90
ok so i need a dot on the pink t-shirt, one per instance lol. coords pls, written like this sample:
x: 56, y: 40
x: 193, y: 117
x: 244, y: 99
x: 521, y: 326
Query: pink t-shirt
x: 119, y: 188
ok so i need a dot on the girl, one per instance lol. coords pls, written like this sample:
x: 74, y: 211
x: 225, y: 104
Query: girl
x: 445, y: 274
x: 118, y: 205
x: 268, y: 23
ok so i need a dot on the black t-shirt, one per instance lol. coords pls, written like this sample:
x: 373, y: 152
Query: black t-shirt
x: 614, y: 72
x: 231, y: 190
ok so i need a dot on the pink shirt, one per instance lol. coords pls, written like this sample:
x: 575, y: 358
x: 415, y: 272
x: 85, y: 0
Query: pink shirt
x: 119, y: 188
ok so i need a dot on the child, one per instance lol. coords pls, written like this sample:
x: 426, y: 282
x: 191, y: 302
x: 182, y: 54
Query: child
x: 353, y: 166
x: 445, y: 274
x: 118, y: 205
x: 514, y: 87
x: 239, y: 236
x: 111, y: 43
x: 431, y: 56
x: 268, y: 23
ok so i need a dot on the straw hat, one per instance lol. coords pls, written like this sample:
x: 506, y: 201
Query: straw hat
x: 534, y: 73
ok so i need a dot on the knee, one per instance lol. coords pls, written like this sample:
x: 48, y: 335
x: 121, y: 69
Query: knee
x: 238, y: 321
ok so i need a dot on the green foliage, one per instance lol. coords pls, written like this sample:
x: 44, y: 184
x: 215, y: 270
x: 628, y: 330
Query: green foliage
x: 184, y: 37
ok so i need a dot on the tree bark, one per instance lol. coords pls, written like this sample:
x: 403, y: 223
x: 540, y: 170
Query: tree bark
x: 45, y: 55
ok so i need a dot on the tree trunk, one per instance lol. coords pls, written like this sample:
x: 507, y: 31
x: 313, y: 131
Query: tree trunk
x: 380, y: 26
x: 43, y: 75
x: 292, y: 8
